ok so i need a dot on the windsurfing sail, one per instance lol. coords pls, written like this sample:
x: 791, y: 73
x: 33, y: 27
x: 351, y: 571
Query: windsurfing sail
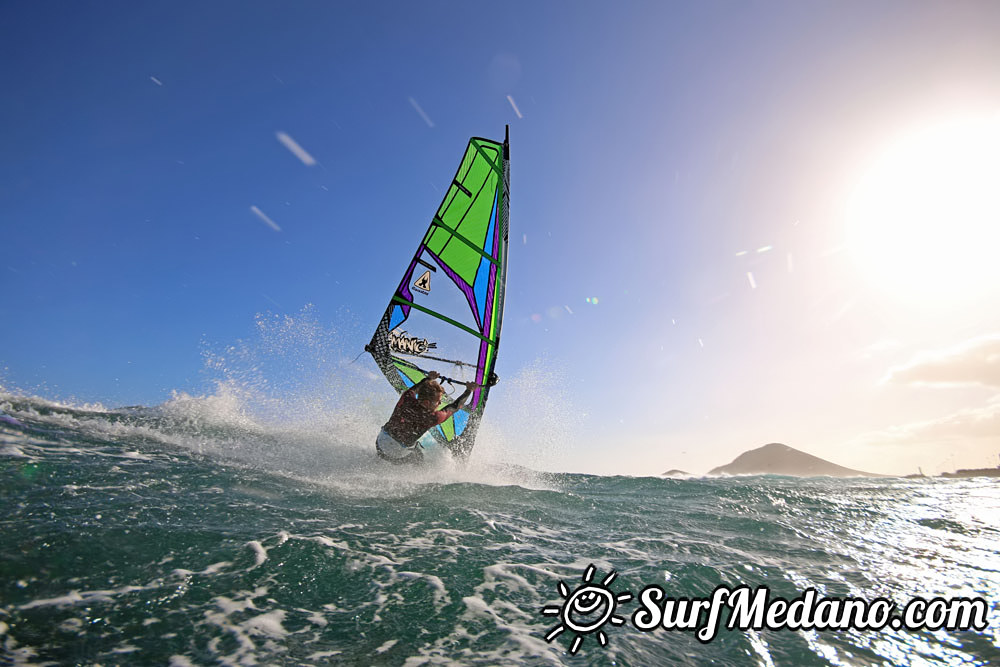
x: 446, y: 313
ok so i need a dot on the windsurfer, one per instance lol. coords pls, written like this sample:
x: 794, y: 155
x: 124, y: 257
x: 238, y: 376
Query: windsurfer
x: 414, y: 414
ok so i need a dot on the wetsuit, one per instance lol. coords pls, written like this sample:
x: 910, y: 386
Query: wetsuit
x: 398, y: 440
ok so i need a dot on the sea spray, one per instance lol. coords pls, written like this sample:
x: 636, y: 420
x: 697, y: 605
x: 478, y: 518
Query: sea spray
x: 305, y: 379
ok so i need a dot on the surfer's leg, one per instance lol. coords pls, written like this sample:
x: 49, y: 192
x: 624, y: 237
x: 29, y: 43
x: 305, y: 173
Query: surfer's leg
x: 415, y: 458
x: 387, y: 449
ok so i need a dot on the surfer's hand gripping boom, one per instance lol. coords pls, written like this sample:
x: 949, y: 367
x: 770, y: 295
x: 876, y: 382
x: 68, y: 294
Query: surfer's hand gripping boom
x: 468, y: 385
x: 434, y: 375
x: 492, y: 380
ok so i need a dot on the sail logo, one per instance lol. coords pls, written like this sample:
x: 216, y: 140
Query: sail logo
x: 423, y: 283
x: 400, y: 342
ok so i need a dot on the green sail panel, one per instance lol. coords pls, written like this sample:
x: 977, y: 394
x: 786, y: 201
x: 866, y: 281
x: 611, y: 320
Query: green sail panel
x: 446, y: 312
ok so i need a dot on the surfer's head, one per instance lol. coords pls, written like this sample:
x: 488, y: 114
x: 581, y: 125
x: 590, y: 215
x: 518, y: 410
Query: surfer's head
x: 430, y: 394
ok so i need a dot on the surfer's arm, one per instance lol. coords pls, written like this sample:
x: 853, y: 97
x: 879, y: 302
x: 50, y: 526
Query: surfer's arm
x: 455, y: 405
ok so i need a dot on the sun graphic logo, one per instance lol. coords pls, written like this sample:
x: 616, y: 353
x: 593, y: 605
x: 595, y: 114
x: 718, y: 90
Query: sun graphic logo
x: 586, y: 609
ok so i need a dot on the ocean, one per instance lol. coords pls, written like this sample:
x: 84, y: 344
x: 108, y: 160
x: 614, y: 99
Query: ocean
x: 190, y: 533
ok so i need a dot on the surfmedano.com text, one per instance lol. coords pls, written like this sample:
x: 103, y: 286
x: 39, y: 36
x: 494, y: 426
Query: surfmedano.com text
x: 757, y: 610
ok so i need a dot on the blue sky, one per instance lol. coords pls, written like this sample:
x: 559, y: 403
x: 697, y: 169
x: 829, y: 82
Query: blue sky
x: 736, y: 183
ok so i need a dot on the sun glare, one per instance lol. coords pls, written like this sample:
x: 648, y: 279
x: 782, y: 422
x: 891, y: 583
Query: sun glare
x: 924, y: 219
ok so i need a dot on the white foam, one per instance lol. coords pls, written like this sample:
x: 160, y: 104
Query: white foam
x: 440, y: 593
x: 230, y: 606
x: 386, y: 646
x: 322, y: 655
x: 125, y: 648
x: 503, y: 572
x: 268, y: 624
x: 315, y: 617
x: 216, y: 567
x: 259, y: 552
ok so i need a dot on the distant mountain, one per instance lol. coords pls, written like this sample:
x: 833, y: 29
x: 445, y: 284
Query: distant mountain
x: 973, y: 472
x: 675, y: 473
x: 778, y: 459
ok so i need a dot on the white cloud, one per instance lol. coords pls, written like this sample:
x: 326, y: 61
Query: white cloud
x: 966, y: 437
x: 967, y: 424
x: 975, y: 362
